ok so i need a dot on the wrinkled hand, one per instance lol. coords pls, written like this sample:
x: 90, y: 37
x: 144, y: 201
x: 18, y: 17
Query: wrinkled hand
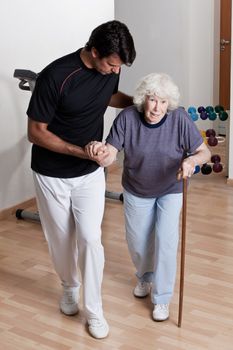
x: 96, y: 151
x: 187, y: 168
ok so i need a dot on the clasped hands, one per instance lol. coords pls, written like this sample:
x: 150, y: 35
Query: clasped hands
x: 96, y: 151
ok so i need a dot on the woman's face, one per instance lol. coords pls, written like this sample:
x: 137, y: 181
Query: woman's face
x: 155, y: 108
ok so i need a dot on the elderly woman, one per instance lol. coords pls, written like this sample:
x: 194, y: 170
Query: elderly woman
x: 159, y: 140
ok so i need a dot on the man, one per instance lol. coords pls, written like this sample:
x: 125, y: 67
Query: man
x: 65, y: 113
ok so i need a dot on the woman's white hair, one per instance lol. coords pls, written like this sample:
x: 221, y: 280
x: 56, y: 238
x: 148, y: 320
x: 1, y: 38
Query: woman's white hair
x: 159, y: 84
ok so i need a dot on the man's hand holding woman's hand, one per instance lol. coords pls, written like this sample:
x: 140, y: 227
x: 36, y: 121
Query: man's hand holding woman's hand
x: 96, y: 151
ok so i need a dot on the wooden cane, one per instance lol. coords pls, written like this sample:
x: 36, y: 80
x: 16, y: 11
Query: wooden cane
x: 182, y: 259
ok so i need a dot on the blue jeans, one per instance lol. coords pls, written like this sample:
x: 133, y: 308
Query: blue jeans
x: 152, y: 234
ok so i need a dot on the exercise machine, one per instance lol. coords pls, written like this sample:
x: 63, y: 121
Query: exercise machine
x: 27, y: 81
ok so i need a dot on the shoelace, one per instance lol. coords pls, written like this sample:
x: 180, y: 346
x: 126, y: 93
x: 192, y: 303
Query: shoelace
x: 162, y: 307
x: 69, y: 297
x: 95, y: 322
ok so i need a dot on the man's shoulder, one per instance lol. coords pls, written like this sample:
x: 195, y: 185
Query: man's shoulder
x: 55, y: 73
x: 63, y: 64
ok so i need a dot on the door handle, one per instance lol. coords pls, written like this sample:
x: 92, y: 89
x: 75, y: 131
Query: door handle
x: 223, y: 43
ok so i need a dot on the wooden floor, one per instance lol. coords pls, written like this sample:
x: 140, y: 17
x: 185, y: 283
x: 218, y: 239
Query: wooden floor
x: 30, y: 290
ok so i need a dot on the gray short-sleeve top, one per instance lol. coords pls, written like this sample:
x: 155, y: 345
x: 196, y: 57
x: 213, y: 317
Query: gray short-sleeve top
x: 153, y: 152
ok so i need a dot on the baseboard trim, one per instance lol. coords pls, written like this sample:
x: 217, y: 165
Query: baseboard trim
x: 23, y: 205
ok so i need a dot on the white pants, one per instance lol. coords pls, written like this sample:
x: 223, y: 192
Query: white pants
x: 152, y: 233
x: 71, y: 212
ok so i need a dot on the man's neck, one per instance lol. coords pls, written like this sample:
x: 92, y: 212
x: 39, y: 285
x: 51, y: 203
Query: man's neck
x: 86, y: 57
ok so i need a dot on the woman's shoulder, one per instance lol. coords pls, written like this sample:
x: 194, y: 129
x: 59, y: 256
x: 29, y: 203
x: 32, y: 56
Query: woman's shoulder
x: 179, y: 111
x: 180, y: 114
x: 129, y: 112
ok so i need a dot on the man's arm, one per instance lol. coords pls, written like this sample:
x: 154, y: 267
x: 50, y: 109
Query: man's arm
x: 39, y: 134
x: 121, y: 100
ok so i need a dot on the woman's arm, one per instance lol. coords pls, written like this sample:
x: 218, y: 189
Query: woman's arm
x: 201, y: 155
x: 112, y: 153
x: 106, y: 151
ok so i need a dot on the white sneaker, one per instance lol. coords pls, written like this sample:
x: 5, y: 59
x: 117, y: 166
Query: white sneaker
x: 142, y: 289
x: 161, y: 312
x: 69, y: 301
x: 98, y: 328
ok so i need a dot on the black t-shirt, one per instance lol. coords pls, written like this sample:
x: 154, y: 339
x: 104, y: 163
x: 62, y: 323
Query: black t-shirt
x: 72, y: 100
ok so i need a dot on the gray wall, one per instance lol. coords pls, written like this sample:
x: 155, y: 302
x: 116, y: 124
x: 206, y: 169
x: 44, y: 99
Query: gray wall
x: 177, y: 37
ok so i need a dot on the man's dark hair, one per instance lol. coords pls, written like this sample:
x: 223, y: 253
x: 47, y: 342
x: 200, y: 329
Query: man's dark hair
x: 113, y: 37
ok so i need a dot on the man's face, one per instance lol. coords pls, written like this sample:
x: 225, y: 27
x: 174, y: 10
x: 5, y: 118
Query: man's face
x: 106, y: 65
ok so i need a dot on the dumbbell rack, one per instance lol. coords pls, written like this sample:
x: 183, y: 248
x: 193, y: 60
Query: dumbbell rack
x: 209, y: 136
